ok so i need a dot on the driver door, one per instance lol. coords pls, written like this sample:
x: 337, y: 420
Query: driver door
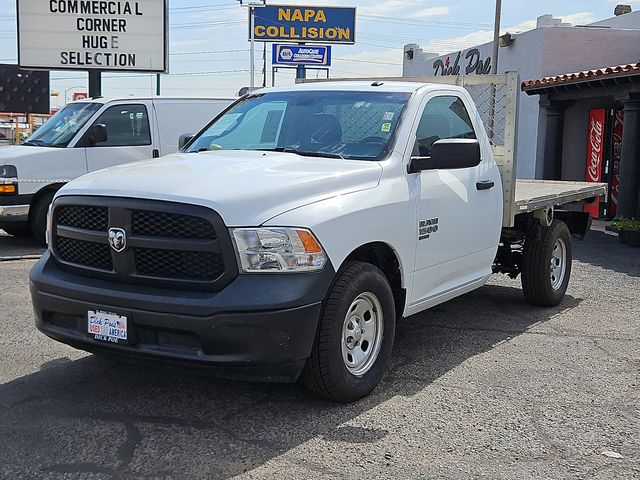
x: 459, y: 218
x: 129, y: 137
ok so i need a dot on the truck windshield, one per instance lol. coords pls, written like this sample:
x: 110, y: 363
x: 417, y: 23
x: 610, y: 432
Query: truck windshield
x: 60, y: 129
x: 340, y: 124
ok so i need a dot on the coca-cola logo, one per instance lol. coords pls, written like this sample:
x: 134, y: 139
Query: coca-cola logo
x: 595, y: 138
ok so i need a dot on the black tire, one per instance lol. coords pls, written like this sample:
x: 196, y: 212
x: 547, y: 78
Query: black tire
x: 38, y: 217
x: 326, y: 373
x: 21, y: 230
x: 537, y: 280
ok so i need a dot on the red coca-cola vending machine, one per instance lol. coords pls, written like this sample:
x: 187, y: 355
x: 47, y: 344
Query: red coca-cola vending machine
x: 604, y: 149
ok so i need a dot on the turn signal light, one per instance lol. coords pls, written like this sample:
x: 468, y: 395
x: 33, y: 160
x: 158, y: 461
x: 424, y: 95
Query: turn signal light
x: 8, y: 189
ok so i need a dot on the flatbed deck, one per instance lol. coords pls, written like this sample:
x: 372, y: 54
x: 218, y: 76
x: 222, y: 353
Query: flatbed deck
x: 533, y: 195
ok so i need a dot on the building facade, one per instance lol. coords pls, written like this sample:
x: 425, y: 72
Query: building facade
x: 551, y: 49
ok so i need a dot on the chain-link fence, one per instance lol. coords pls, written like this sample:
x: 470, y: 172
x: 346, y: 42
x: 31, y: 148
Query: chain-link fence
x: 361, y: 120
x: 491, y: 102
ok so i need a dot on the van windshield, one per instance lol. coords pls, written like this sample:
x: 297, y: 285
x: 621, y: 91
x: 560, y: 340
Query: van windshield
x: 341, y: 124
x: 60, y: 129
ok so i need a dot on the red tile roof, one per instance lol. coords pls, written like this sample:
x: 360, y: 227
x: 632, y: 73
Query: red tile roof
x: 579, y: 77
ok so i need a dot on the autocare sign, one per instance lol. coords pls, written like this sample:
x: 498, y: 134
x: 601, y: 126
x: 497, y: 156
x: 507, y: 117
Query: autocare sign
x: 595, y: 151
x: 93, y: 34
x: 301, y: 55
x: 290, y: 23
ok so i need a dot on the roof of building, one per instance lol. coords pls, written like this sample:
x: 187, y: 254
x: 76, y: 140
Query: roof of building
x: 620, y: 74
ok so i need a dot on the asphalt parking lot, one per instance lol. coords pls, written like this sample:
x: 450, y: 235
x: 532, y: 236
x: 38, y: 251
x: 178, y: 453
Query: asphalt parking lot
x: 484, y: 386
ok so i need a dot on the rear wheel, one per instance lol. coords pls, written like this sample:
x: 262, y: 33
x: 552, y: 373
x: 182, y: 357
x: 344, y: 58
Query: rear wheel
x: 38, y: 219
x: 355, y: 336
x: 546, y: 266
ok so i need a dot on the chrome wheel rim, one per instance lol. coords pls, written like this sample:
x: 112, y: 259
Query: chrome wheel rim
x: 362, y: 334
x: 558, y: 265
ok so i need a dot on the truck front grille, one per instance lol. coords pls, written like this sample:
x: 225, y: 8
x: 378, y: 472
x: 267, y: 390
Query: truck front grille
x: 80, y: 216
x: 165, y: 244
x: 86, y: 254
x: 179, y: 264
x: 160, y: 224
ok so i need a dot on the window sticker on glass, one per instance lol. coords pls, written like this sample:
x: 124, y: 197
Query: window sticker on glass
x: 388, y: 116
x: 386, y: 127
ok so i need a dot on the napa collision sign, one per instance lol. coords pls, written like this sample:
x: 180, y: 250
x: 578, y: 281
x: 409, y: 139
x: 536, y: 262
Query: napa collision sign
x: 110, y: 35
x: 304, y: 24
x: 319, y: 55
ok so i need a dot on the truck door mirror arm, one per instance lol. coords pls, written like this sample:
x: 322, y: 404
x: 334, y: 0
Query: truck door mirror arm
x: 448, y: 154
x: 184, y: 139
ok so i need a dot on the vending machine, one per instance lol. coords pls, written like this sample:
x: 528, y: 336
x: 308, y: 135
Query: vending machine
x: 604, y: 150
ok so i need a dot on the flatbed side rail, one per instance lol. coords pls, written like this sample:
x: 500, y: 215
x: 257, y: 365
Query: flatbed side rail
x: 496, y: 98
x: 538, y: 194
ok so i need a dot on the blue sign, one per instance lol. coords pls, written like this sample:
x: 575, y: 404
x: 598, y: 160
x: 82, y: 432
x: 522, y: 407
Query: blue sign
x: 301, y: 55
x: 291, y: 23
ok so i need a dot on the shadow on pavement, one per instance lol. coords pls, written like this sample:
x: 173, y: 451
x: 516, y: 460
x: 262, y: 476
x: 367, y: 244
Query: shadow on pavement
x: 18, y: 246
x: 112, y: 420
x: 608, y: 252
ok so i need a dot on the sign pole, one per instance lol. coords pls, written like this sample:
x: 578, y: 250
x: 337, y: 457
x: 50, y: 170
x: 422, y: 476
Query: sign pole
x: 95, y: 83
x: 253, y: 42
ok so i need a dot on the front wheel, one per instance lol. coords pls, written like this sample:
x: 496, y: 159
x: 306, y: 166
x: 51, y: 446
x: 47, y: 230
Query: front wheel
x: 355, y: 336
x: 546, y: 266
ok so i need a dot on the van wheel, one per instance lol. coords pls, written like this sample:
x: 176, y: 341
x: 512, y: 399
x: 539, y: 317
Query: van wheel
x: 38, y: 218
x: 546, y: 266
x: 355, y: 335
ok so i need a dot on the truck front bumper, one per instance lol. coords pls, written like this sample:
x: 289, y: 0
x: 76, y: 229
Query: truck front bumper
x: 260, y: 327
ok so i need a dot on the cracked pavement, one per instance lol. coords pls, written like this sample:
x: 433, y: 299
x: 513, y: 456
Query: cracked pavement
x: 484, y: 386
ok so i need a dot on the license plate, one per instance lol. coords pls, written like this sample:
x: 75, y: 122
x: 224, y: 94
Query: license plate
x: 107, y: 326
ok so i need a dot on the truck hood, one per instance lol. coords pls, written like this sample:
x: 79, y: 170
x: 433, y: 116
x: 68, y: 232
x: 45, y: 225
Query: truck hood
x: 246, y: 188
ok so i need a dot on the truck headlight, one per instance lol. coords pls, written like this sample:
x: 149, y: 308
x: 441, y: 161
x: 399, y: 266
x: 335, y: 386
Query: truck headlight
x: 278, y: 250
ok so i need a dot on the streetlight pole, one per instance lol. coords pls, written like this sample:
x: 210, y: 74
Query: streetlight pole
x: 496, y: 37
x: 252, y: 14
x: 71, y: 88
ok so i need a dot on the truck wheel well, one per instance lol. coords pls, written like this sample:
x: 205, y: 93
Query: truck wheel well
x: 382, y: 256
x: 54, y: 187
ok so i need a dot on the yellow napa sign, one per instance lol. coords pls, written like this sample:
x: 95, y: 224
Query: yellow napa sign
x: 275, y: 23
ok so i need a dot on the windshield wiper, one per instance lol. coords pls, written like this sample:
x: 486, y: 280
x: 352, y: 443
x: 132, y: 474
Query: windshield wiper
x: 304, y: 153
x: 34, y: 143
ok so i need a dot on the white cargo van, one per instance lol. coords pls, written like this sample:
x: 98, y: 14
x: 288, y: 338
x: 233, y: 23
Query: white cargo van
x: 86, y: 136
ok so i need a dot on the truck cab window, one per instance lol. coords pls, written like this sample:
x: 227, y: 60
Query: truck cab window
x: 335, y: 124
x: 127, y: 125
x: 443, y: 118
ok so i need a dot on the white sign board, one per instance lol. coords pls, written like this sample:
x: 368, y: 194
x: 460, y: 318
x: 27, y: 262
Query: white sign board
x: 93, y: 35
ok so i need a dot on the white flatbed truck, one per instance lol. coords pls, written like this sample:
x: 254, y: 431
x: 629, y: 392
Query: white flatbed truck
x: 288, y: 236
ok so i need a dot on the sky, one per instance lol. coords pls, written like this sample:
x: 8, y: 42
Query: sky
x: 209, y: 50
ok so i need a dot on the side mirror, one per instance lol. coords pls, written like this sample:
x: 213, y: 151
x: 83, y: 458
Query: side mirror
x: 184, y: 139
x: 447, y: 155
x: 97, y: 134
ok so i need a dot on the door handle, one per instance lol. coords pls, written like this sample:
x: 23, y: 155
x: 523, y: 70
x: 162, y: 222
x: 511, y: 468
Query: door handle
x: 155, y: 153
x: 485, y: 185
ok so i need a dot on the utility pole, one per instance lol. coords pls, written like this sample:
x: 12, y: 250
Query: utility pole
x: 496, y: 37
